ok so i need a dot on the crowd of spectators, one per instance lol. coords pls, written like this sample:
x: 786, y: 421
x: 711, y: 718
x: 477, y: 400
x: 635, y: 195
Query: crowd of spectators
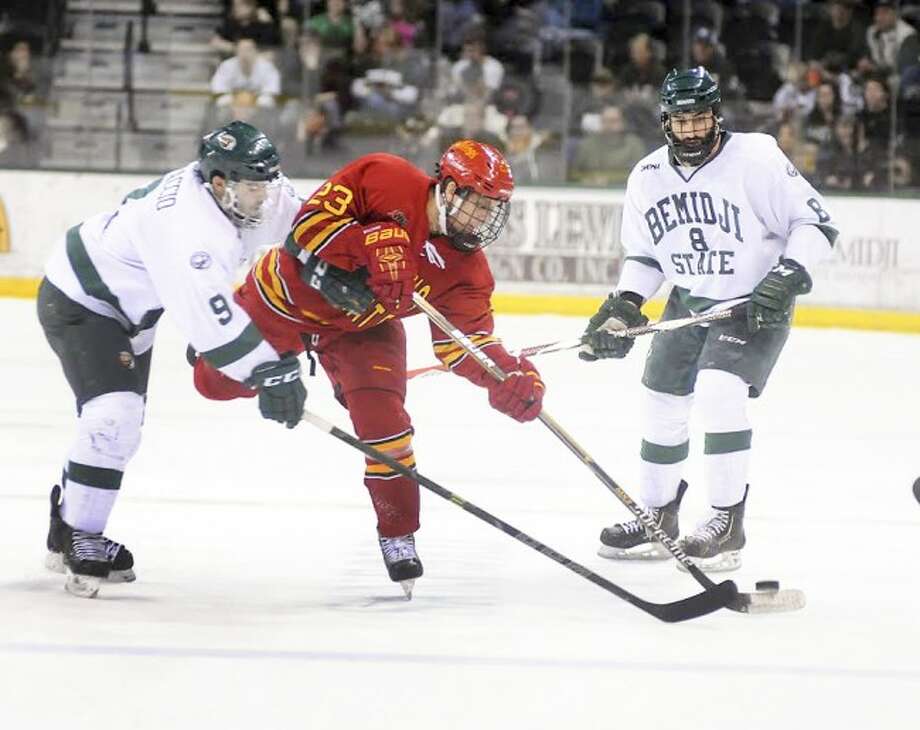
x: 837, y: 114
x: 574, y: 81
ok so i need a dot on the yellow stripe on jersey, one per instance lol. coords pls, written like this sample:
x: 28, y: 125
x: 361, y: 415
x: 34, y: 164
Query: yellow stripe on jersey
x: 270, y: 285
x: 451, y: 353
x: 318, y: 241
x: 308, y: 221
x: 309, y: 315
x: 271, y: 266
x: 276, y: 274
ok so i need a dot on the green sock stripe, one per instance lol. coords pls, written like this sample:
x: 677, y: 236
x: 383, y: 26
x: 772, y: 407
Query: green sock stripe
x: 94, y: 476
x: 728, y: 442
x: 658, y: 454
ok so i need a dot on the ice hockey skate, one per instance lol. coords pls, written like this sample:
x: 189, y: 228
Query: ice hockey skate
x: 121, y: 561
x: 402, y: 561
x: 715, y: 546
x: 86, y: 563
x: 632, y: 541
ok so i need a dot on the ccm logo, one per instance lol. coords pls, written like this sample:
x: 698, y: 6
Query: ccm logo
x: 278, y: 379
x: 384, y: 235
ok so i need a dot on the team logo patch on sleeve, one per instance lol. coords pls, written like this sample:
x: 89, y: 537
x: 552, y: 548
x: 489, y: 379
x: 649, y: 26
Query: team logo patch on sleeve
x: 200, y: 260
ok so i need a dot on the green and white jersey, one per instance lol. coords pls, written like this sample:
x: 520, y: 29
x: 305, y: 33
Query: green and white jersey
x: 170, y: 246
x: 714, y: 231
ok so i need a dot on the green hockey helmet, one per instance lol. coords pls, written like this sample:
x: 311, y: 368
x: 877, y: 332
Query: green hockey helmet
x: 690, y: 91
x: 249, y: 164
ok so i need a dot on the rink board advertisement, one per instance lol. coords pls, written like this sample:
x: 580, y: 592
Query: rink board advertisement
x: 560, y: 251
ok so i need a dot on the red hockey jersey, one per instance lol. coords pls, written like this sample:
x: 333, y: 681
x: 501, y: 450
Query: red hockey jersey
x: 381, y: 187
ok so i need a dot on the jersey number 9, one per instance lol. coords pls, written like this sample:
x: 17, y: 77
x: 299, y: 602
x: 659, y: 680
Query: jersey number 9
x: 220, y: 307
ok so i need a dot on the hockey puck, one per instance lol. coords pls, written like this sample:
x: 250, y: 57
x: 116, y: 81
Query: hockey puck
x: 767, y: 585
x: 917, y: 489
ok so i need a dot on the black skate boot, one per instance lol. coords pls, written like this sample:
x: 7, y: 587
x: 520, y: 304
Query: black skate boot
x: 121, y: 561
x: 85, y: 561
x: 631, y: 541
x: 715, y: 546
x: 402, y: 561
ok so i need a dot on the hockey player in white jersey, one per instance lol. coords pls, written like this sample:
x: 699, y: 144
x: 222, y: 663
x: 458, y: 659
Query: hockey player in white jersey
x: 174, y: 245
x: 724, y: 217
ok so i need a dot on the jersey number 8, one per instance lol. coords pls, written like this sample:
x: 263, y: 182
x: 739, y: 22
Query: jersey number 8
x: 823, y: 216
x: 697, y: 241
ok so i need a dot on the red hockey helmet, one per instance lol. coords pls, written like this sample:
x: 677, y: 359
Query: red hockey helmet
x: 474, y: 210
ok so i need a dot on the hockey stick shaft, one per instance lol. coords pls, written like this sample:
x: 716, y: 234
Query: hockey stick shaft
x: 561, y: 345
x: 489, y: 365
x: 682, y: 610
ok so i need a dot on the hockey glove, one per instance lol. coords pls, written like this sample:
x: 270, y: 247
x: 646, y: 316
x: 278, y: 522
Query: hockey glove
x: 772, y: 299
x: 345, y: 290
x: 616, y: 313
x: 520, y: 395
x: 390, y: 265
x: 281, y: 391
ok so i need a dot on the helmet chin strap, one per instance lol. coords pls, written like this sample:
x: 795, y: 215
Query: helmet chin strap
x: 443, y: 212
x: 442, y: 209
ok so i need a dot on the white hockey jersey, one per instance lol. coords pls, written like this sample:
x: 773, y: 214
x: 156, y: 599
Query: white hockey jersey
x: 170, y: 246
x: 716, y: 230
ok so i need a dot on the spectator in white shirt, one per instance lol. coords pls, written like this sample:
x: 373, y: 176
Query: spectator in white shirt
x: 246, y: 71
x: 474, y: 59
x: 893, y: 44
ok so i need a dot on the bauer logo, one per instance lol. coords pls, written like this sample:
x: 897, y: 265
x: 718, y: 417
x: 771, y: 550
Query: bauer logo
x: 5, y: 235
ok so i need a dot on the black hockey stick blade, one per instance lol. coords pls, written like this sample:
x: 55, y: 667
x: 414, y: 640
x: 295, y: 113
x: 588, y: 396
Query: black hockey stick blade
x: 723, y: 595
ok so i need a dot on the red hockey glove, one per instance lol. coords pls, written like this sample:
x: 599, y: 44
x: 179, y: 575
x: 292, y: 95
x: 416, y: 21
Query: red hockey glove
x: 212, y: 383
x: 520, y: 395
x: 390, y: 265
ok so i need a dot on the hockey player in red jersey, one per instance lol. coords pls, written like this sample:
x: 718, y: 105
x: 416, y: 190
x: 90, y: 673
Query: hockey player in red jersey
x: 372, y: 234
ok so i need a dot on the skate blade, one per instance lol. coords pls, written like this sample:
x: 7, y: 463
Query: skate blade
x: 407, y: 586
x: 55, y: 563
x: 649, y: 551
x: 121, y: 576
x: 721, y: 563
x: 82, y: 586
x: 786, y: 599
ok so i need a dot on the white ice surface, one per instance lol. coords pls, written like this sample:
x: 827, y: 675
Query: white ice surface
x: 262, y: 601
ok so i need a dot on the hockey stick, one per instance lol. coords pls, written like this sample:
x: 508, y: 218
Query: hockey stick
x: 687, y: 608
x: 559, y: 346
x: 744, y: 602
